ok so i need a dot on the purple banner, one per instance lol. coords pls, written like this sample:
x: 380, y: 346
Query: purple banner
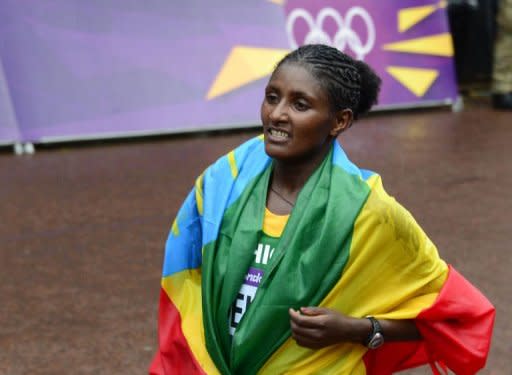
x: 8, y: 125
x: 78, y: 69
x: 407, y: 42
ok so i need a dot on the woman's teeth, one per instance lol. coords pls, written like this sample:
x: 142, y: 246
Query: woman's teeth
x: 278, y: 133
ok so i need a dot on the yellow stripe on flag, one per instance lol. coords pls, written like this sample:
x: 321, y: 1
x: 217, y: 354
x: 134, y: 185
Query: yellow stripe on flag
x: 184, y: 290
x: 393, y: 272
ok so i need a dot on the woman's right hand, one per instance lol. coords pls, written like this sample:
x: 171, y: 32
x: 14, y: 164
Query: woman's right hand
x: 318, y: 327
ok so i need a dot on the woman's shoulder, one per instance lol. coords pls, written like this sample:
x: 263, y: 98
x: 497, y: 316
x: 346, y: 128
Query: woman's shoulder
x: 250, y: 153
x: 387, y: 214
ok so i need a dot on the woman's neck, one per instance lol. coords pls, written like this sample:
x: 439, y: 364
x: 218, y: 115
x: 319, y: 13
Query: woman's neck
x: 292, y: 176
x: 288, y: 179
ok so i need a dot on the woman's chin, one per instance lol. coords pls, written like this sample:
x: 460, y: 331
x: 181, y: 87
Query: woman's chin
x: 276, y: 151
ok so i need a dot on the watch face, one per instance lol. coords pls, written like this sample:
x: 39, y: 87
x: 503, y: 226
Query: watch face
x: 376, y: 341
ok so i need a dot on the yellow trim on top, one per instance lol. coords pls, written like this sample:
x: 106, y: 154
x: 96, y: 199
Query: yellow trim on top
x: 175, y: 229
x: 199, y: 194
x: 232, y: 163
x: 273, y: 225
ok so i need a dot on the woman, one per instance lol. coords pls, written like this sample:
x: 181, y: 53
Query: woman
x: 287, y: 258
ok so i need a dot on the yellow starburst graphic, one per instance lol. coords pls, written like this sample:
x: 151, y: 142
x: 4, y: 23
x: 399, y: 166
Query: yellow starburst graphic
x: 436, y: 45
x: 245, y: 65
x: 417, y: 80
x: 409, y: 17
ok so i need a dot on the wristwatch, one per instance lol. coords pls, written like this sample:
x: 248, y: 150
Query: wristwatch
x: 375, y: 338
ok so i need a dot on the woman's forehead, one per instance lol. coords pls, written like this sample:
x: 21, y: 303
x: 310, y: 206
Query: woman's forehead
x: 296, y: 77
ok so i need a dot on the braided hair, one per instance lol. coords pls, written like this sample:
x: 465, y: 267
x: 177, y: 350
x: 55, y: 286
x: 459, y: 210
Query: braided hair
x: 349, y: 83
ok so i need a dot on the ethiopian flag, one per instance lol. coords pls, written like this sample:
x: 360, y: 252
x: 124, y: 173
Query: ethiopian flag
x: 347, y: 246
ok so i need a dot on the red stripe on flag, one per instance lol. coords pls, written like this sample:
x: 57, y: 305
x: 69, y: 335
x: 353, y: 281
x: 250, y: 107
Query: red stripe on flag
x: 395, y: 356
x: 458, y: 326
x: 174, y: 355
x: 456, y: 333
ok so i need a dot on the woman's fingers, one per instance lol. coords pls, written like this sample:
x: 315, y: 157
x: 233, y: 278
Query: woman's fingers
x: 311, y: 311
x: 306, y: 337
x: 316, y: 327
x: 299, y: 330
x: 311, y: 321
x: 306, y: 330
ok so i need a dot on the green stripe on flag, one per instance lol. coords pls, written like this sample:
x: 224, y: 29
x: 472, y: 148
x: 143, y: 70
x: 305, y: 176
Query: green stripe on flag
x: 301, y: 272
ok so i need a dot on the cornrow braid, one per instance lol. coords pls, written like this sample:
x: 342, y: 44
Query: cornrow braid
x: 349, y: 83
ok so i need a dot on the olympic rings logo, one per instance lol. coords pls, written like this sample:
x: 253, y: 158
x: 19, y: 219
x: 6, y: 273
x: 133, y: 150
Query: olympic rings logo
x: 343, y: 37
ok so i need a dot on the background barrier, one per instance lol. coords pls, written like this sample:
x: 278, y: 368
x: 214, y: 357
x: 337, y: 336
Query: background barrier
x: 75, y: 69
x: 8, y: 125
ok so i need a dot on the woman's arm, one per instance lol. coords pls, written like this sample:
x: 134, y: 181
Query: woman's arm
x: 317, y: 327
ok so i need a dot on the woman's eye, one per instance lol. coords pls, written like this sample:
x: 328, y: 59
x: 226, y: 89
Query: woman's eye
x: 271, y: 98
x: 301, y: 106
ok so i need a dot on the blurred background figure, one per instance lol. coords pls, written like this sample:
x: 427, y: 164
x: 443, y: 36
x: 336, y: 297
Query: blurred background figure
x: 502, y: 73
x: 473, y: 23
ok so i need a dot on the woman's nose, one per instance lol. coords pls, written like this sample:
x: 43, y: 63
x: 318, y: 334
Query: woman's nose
x: 279, y: 112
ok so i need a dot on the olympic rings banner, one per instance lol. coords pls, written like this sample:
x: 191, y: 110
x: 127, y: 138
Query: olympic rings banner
x: 74, y: 69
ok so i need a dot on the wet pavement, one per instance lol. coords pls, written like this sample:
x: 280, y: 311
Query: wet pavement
x: 84, y: 225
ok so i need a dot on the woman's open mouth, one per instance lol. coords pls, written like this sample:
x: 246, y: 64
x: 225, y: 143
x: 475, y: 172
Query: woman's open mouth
x: 277, y: 135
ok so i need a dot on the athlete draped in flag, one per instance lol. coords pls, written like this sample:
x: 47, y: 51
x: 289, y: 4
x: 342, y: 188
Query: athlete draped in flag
x: 287, y: 258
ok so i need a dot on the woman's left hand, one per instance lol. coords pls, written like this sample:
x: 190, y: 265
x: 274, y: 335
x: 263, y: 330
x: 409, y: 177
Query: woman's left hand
x: 317, y: 327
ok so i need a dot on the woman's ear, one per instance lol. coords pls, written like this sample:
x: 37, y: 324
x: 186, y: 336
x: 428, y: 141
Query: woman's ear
x: 344, y: 118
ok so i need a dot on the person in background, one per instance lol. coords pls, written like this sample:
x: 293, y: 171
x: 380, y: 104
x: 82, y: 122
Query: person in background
x: 502, y: 72
x: 287, y: 258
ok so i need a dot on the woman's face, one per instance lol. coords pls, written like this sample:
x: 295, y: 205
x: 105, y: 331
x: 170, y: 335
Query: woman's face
x: 298, y: 123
